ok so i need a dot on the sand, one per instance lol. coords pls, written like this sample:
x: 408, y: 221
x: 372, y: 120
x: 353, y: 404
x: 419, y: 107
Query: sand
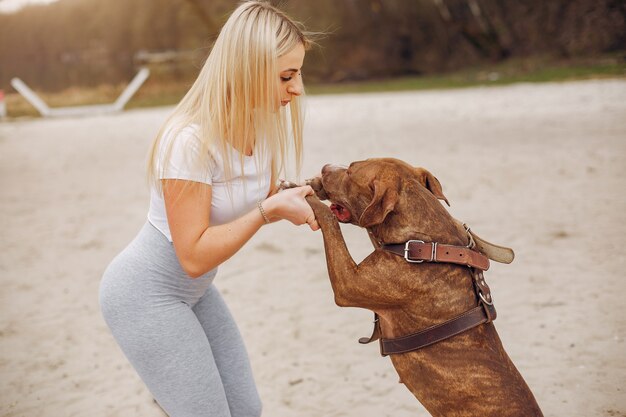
x: 538, y: 167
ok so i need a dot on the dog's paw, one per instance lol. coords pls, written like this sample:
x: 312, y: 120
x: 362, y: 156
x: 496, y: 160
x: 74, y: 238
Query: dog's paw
x: 321, y: 210
x: 316, y: 204
x: 285, y: 185
x: 316, y: 184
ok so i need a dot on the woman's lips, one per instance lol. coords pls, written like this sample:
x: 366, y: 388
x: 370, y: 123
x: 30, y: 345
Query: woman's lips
x: 285, y: 102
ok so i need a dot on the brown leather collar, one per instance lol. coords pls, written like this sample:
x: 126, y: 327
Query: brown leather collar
x: 418, y: 251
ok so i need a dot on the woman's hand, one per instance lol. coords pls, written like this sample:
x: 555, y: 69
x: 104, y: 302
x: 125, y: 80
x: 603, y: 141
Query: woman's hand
x: 291, y: 205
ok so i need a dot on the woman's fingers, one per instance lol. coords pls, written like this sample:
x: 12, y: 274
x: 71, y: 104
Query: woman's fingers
x: 290, y: 204
x: 309, y: 215
x: 312, y: 222
x: 306, y: 190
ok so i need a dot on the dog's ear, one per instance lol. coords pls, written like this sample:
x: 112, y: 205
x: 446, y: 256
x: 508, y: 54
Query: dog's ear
x: 383, y: 203
x: 431, y: 183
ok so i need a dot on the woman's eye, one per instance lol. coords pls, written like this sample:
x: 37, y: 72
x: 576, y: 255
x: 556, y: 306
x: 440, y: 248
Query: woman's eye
x: 285, y: 79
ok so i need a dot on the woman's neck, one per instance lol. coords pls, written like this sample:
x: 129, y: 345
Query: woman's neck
x: 247, y: 150
x: 245, y: 147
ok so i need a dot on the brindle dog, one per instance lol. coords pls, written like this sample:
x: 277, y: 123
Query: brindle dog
x: 469, y: 374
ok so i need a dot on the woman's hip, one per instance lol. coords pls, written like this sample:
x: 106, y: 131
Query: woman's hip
x: 147, y: 273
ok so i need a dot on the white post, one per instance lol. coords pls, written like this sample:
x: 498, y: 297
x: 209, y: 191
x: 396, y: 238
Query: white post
x: 30, y: 95
x: 46, y: 111
x: 131, y: 89
x: 3, y: 106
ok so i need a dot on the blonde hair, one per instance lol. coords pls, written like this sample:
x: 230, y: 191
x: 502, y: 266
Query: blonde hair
x: 236, y: 98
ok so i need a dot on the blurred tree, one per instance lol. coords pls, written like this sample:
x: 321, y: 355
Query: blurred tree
x: 475, y: 27
x: 202, y: 14
x: 90, y: 42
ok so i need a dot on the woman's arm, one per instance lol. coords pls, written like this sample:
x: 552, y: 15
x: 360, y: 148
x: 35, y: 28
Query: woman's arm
x: 201, y: 247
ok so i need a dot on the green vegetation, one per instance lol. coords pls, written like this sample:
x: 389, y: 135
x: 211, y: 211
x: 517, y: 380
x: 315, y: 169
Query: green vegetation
x: 162, y: 93
x: 508, y: 72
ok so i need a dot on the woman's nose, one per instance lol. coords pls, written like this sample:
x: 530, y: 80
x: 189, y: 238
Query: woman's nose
x: 295, y: 88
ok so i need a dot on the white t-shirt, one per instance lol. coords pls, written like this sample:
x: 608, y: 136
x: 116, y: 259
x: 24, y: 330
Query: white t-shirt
x: 256, y: 180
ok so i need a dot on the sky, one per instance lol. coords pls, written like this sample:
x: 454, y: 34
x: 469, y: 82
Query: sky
x: 8, y: 6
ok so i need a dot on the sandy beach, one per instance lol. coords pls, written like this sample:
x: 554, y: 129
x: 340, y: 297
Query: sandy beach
x: 537, y: 167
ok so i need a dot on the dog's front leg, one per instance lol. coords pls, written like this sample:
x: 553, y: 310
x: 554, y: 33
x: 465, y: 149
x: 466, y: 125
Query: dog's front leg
x: 344, y: 273
x: 342, y: 270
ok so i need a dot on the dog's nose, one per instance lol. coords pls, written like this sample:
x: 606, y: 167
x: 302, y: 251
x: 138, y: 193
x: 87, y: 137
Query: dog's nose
x: 329, y: 167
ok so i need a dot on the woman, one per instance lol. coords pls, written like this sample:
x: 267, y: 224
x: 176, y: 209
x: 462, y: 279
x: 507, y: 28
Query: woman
x: 213, y: 168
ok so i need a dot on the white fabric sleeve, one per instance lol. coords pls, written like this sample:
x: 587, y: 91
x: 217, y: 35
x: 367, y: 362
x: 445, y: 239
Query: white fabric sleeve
x: 184, y: 162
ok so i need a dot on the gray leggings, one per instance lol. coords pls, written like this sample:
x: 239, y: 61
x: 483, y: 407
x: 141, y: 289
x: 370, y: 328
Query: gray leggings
x: 177, y: 332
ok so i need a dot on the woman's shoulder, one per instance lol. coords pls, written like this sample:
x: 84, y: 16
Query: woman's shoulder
x: 181, y: 132
x: 183, y: 138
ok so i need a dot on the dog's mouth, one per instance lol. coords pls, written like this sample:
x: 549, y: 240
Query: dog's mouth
x: 342, y: 213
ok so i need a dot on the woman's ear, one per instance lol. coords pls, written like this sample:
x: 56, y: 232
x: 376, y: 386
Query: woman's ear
x: 383, y: 203
x: 431, y: 183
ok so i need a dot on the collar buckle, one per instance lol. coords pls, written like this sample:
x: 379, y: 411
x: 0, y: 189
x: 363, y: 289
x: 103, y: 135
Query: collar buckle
x: 406, y: 252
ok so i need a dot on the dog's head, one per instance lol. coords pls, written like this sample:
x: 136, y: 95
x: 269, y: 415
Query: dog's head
x: 378, y: 192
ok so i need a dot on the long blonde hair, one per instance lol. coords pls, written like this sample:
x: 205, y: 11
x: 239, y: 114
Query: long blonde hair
x: 235, y: 99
